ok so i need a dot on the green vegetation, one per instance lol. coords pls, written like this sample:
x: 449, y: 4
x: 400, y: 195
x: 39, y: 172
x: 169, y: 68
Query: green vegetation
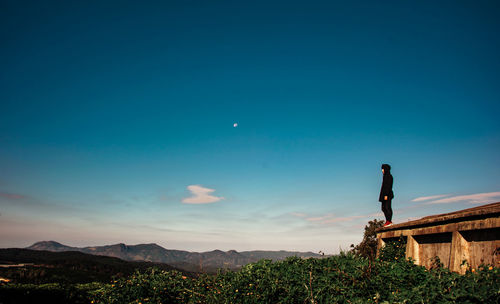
x: 344, y: 278
x: 368, y: 246
x: 54, y: 293
x: 394, y: 251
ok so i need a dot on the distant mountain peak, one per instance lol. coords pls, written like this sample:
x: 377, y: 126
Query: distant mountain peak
x: 53, y: 243
x: 50, y: 246
x: 149, y: 245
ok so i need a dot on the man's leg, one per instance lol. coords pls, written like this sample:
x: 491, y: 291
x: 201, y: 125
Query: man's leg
x: 388, y: 207
x: 387, y: 210
x: 384, y: 210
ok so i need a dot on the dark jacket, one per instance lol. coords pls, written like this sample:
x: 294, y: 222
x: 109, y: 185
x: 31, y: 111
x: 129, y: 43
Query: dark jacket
x: 386, y: 189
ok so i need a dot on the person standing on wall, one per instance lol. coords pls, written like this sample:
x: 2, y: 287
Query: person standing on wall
x: 386, y: 194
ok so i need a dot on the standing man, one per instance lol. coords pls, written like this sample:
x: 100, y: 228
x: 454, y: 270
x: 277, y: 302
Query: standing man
x: 386, y: 194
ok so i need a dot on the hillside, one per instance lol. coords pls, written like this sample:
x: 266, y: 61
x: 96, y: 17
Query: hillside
x: 190, y: 261
x: 65, y: 267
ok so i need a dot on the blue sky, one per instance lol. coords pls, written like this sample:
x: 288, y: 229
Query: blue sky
x: 117, y: 119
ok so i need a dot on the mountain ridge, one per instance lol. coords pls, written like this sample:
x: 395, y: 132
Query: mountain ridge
x: 208, y: 261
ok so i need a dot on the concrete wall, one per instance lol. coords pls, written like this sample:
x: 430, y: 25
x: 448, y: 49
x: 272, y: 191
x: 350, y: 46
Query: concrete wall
x: 471, y: 235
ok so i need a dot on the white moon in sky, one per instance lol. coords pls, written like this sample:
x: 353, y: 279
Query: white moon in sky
x: 235, y: 124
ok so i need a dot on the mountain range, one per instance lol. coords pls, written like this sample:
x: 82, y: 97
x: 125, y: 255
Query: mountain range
x: 209, y: 261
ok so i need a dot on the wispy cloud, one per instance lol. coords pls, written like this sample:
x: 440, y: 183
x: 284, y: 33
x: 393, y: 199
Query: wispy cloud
x: 320, y: 218
x: 298, y: 214
x: 12, y: 196
x: 329, y: 218
x: 427, y: 198
x: 342, y: 219
x: 201, y: 195
x: 478, y: 198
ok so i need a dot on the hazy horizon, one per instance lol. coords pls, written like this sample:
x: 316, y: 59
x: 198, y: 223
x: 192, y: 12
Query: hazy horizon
x: 247, y: 126
x: 90, y: 246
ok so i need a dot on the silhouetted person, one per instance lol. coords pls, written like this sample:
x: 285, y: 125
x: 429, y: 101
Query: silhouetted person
x: 386, y: 194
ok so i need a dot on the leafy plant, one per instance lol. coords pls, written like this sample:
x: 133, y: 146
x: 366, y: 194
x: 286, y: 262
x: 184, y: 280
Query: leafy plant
x: 345, y: 278
x: 393, y: 250
x: 368, y: 246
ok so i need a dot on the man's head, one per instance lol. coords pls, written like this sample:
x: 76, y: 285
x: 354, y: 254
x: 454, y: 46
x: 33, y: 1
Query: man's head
x: 386, y: 168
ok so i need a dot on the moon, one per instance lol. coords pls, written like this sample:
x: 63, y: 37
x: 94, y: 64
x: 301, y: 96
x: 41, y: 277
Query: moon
x: 235, y: 124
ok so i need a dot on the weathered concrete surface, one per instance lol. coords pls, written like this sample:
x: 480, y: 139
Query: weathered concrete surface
x: 471, y: 235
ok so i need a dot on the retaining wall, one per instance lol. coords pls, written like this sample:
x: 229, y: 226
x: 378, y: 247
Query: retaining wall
x: 471, y: 235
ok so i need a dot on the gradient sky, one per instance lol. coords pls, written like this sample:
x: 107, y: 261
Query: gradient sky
x: 116, y: 119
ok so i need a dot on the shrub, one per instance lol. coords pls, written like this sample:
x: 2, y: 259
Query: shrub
x: 368, y: 246
x: 393, y: 250
x: 46, y: 293
x: 345, y: 278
